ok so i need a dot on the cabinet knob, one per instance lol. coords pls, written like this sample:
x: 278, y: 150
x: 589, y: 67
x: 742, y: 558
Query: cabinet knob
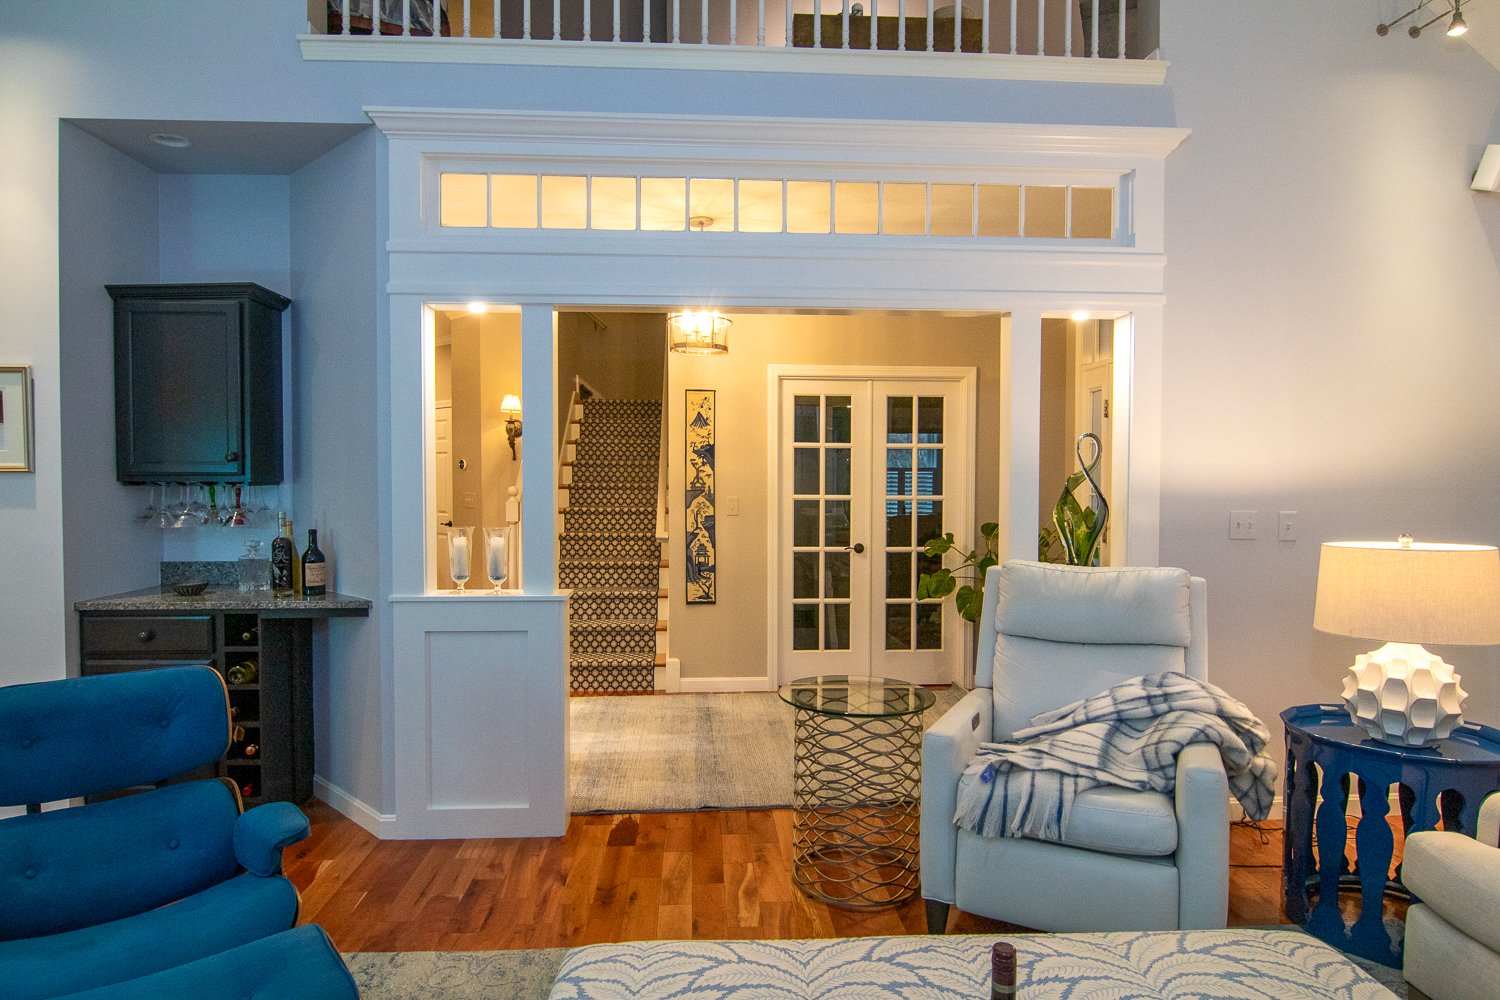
x: 145, y: 635
x: 231, y: 456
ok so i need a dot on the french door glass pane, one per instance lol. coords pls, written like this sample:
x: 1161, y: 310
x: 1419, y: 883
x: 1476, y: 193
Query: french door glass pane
x: 805, y: 472
x: 897, y: 523
x: 930, y: 419
x: 804, y: 522
x: 805, y: 626
x: 836, y: 575
x: 898, y: 574
x: 835, y: 626
x: 805, y: 575
x: 898, y: 626
x: 898, y: 472
x: 840, y: 410
x: 839, y: 481
x: 929, y: 626
x: 805, y: 419
x: 898, y: 419
x: 836, y: 522
x: 929, y: 472
x: 929, y: 521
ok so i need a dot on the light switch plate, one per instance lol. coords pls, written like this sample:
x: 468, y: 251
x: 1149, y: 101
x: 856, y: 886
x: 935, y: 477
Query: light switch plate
x: 731, y: 506
x: 1242, y: 524
x: 1286, y: 526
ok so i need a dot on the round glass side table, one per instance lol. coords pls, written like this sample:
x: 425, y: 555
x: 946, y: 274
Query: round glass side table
x: 857, y: 773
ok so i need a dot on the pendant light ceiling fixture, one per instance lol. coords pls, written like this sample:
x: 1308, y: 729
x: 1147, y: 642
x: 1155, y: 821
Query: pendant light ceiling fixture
x: 698, y: 331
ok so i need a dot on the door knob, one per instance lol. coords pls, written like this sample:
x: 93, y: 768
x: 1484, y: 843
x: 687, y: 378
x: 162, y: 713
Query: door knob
x: 445, y: 524
x: 856, y: 548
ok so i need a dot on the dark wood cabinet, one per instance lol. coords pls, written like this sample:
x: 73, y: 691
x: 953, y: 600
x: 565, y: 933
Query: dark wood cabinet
x: 198, y: 383
x: 273, y: 710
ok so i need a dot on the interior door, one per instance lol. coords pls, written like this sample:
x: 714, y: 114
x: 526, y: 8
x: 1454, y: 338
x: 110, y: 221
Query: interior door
x: 870, y: 470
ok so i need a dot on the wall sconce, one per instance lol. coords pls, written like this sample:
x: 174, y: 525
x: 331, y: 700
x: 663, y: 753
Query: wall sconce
x: 510, y: 409
x: 1456, y: 27
x: 698, y: 332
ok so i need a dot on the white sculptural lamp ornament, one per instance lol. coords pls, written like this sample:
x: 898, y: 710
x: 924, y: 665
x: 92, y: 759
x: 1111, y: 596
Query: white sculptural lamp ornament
x: 1409, y: 593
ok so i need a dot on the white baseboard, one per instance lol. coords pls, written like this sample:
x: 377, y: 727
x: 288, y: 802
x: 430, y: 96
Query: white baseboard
x: 380, y: 824
x: 719, y: 685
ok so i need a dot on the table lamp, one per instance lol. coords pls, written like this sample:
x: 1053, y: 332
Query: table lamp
x: 1407, y: 593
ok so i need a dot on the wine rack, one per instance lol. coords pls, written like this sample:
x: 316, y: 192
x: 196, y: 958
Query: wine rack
x: 266, y: 665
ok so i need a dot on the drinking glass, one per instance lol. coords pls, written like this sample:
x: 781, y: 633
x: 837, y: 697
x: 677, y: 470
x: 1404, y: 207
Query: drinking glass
x: 183, y: 515
x: 496, y: 555
x: 236, y: 516
x: 460, y: 554
x: 152, y: 506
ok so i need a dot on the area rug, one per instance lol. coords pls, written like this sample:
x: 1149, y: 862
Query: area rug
x: 679, y: 752
x: 528, y: 975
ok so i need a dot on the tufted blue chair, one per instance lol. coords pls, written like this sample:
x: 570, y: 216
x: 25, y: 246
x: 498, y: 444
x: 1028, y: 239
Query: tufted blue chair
x: 86, y: 888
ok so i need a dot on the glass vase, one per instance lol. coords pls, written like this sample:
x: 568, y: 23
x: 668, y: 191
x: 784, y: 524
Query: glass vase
x: 460, y: 554
x: 496, y: 556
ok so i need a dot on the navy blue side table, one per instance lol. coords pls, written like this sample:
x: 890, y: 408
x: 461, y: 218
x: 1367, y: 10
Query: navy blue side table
x: 1461, y: 770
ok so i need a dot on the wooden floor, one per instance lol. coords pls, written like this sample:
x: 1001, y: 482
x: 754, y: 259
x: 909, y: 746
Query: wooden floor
x: 626, y: 877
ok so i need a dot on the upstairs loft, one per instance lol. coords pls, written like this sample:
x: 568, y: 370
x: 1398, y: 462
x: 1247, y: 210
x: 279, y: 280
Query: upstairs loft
x: 1101, y: 41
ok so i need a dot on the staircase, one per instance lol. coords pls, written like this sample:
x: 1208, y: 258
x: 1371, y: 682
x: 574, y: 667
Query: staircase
x: 609, y: 554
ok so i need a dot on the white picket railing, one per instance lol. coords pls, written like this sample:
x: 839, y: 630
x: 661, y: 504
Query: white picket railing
x: 1073, y: 30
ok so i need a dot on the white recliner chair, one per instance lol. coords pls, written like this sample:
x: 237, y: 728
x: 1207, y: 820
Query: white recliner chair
x: 1453, y: 935
x: 1129, y: 860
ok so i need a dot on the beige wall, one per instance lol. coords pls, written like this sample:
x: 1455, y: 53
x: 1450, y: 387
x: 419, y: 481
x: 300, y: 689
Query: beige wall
x: 620, y: 361
x: 729, y: 639
x: 486, y: 365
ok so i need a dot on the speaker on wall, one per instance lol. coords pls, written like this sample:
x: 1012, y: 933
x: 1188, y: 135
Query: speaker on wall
x: 1487, y: 177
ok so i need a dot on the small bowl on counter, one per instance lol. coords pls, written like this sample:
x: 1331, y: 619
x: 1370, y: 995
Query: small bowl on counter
x: 189, y: 588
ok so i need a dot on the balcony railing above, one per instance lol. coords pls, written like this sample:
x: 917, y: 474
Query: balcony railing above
x: 1072, y: 40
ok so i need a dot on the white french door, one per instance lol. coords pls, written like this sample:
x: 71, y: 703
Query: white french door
x: 869, y: 467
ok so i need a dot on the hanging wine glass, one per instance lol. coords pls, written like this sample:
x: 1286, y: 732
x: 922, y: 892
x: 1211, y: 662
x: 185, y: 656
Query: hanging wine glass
x: 182, y: 513
x: 211, y: 515
x: 497, y: 556
x: 197, y: 507
x: 237, y: 518
x: 164, y: 516
x: 460, y: 554
x: 149, y: 514
x: 262, y: 504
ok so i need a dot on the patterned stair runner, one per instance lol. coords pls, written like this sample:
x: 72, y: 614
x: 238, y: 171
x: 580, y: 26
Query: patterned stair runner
x: 609, y: 556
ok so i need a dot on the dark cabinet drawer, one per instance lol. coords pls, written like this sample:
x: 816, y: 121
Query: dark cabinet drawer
x: 146, y: 636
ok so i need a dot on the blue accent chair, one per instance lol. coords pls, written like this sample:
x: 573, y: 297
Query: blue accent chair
x: 86, y: 889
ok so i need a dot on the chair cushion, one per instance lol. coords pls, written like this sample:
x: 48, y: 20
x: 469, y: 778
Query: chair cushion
x: 156, y: 724
x: 299, y: 964
x: 1034, y: 675
x: 1122, y: 821
x: 69, y: 868
x: 230, y: 914
x: 1089, y: 604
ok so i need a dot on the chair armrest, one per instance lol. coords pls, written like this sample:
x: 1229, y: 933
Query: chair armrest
x: 1487, y: 830
x: 260, y: 835
x: 1459, y: 878
x: 1202, y: 805
x: 946, y: 750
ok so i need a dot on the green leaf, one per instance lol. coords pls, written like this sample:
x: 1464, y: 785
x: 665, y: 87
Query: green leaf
x: 940, y: 545
x: 939, y: 584
x: 969, y: 601
x: 983, y: 566
x: 990, y: 530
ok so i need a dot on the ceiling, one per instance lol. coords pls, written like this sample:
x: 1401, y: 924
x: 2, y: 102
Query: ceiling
x: 222, y: 147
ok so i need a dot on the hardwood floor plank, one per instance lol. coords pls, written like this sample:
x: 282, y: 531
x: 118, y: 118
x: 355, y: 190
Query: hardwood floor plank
x: 698, y: 875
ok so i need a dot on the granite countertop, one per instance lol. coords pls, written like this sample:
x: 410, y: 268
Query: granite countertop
x: 229, y: 599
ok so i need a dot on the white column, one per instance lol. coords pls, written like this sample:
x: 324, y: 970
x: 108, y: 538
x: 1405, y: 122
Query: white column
x: 1020, y: 432
x: 1137, y: 441
x: 539, y: 440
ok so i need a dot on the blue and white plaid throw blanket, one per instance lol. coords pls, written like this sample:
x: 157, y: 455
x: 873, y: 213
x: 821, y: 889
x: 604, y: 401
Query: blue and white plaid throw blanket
x: 1127, y: 736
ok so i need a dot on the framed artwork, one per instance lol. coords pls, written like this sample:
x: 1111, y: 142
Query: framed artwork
x: 15, y: 418
x: 698, y: 504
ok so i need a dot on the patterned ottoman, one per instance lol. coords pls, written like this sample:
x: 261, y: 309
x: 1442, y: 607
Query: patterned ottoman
x: 1168, y: 965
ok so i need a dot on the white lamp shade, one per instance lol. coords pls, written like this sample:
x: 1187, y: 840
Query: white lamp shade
x: 510, y: 404
x: 1440, y: 593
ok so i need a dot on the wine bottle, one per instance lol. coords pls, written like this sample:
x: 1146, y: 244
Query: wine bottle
x: 1003, y: 971
x: 249, y: 790
x: 244, y: 672
x: 314, y: 568
x: 283, y: 559
x: 250, y: 637
x: 250, y: 749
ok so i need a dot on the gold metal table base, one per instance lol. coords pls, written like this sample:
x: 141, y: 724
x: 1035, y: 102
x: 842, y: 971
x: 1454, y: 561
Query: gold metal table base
x: 857, y: 784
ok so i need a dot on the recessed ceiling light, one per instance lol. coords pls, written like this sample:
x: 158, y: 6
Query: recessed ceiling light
x: 170, y: 139
x: 478, y: 308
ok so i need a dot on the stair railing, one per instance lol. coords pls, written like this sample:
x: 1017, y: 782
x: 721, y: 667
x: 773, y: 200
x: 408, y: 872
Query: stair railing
x: 661, y: 463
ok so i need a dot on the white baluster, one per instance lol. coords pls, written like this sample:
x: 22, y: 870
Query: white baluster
x: 676, y: 21
x: 846, y: 25
x: 760, y: 23
x: 497, y: 18
x: 405, y: 18
x: 734, y: 16
x: 1041, y: 27
x: 525, y: 18
x: 817, y: 23
x: 1122, y: 31
x: 344, y: 5
x: 466, y: 19
x: 788, y: 20
x: 930, y: 19
x: 984, y: 26
x: 874, y: 22
x: 588, y: 21
x: 557, y: 20
x: 645, y: 20
x: 616, y: 22
x: 1095, y: 33
x: 900, y: 25
x: 705, y: 22
x: 1068, y: 29
x: 1014, y: 30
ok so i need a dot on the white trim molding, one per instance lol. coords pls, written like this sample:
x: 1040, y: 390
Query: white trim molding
x: 733, y: 59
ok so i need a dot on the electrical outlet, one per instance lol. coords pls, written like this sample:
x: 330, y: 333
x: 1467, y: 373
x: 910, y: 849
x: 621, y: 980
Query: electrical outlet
x: 1286, y: 526
x: 1242, y: 523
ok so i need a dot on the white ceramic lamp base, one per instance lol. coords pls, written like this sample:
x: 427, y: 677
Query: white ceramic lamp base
x: 1402, y: 694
